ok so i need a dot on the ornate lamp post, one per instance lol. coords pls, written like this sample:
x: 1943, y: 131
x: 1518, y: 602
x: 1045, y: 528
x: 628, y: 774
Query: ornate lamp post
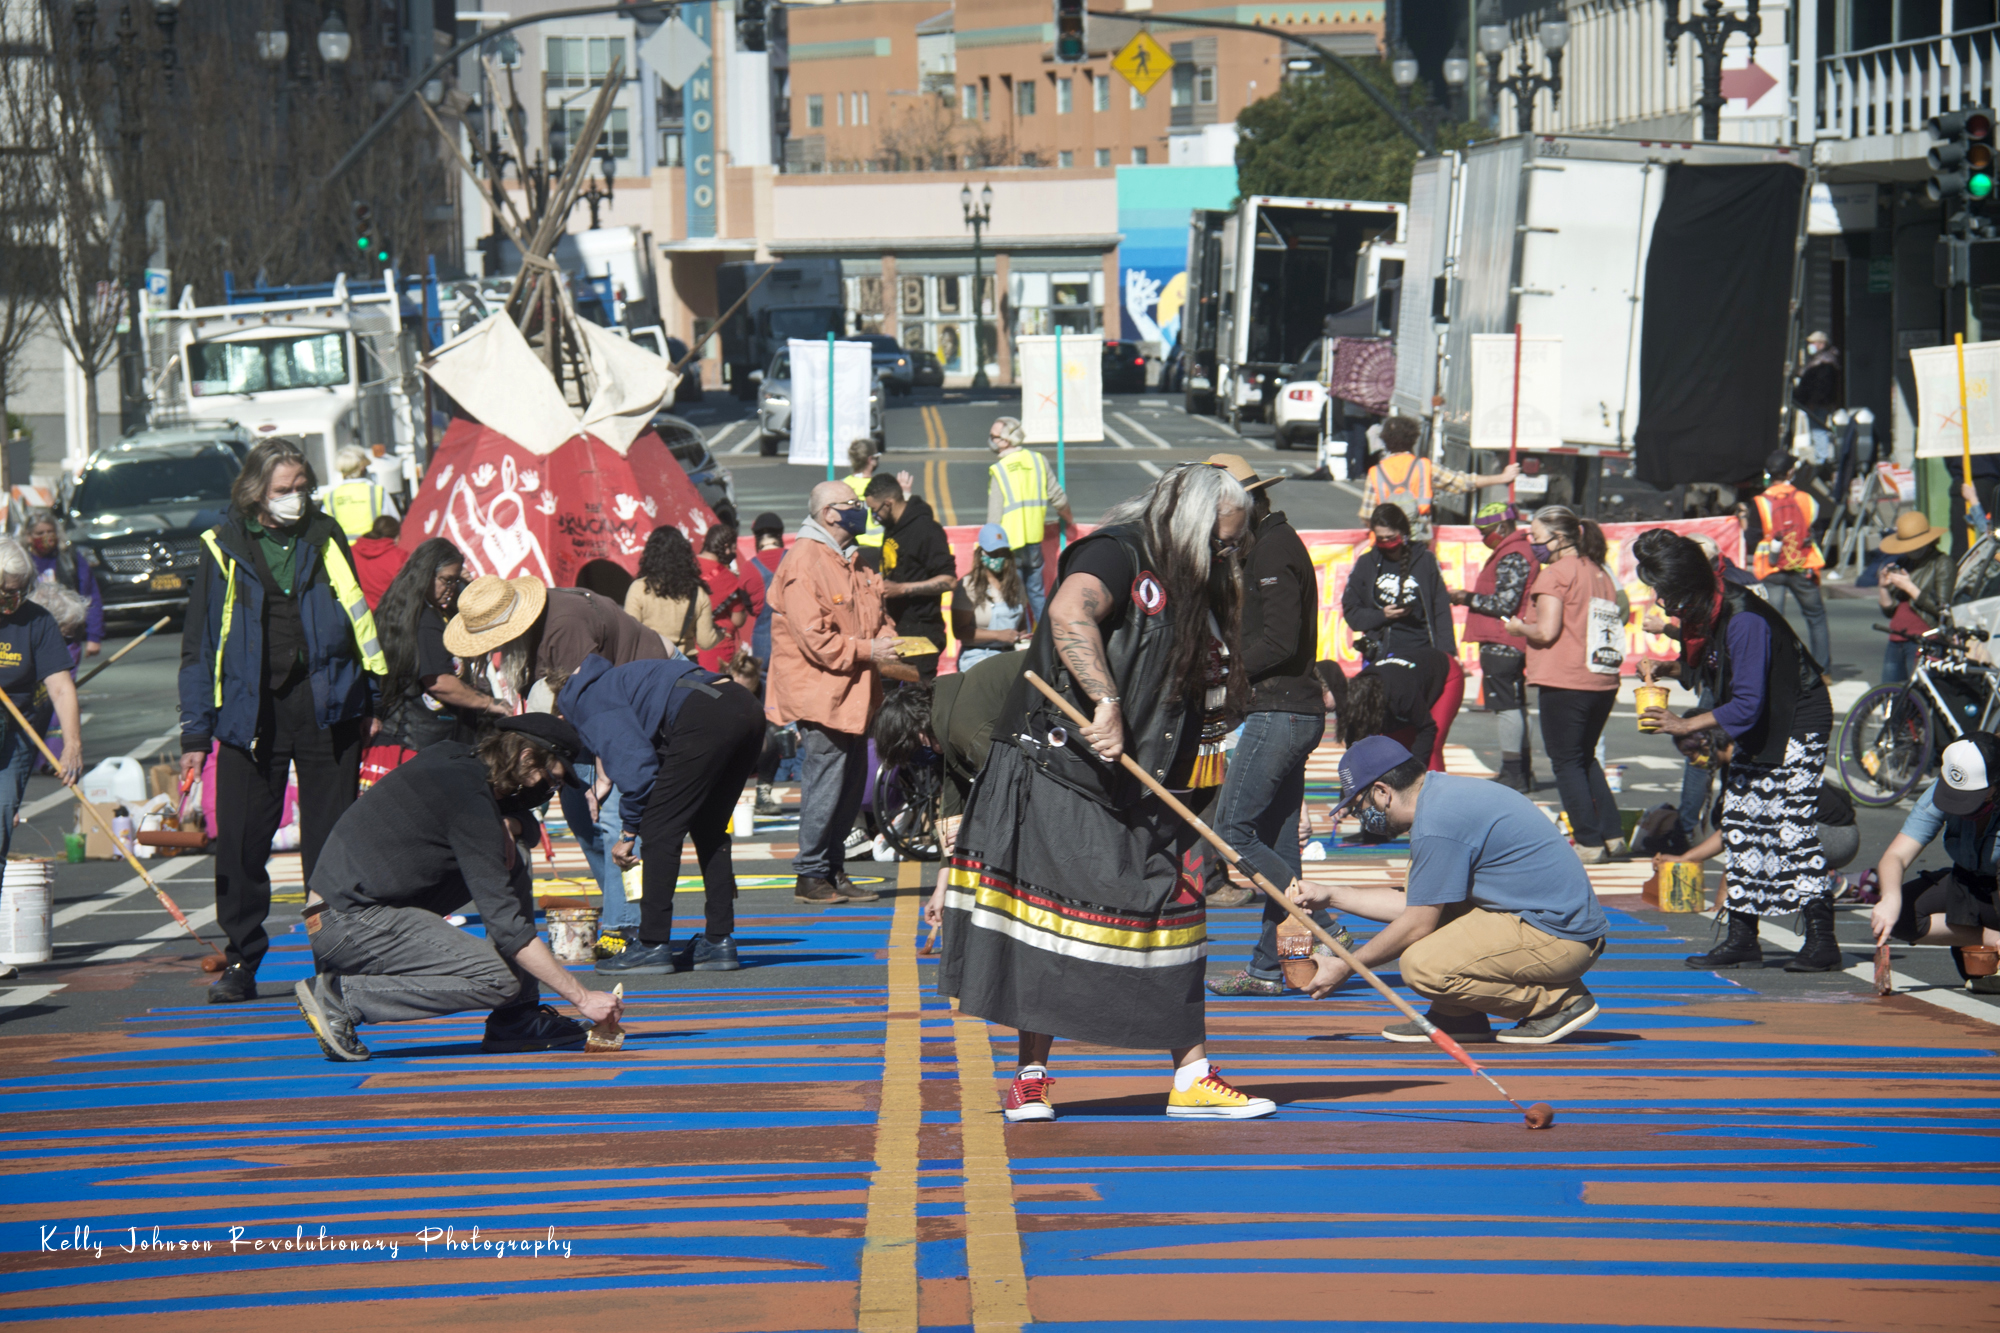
x: 1711, y: 32
x: 1403, y: 72
x: 1552, y: 33
x: 595, y: 196
x: 978, y: 219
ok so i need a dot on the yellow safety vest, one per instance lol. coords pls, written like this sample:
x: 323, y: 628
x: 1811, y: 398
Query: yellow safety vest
x: 1023, y: 479
x: 355, y: 504
x: 872, y: 534
x: 346, y: 591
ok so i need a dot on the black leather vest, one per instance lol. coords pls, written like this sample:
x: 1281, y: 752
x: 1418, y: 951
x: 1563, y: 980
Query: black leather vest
x: 1139, y: 648
x: 1791, y: 675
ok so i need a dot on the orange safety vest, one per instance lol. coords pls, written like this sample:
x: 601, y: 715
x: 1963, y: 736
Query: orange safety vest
x: 1385, y: 487
x: 1787, y: 514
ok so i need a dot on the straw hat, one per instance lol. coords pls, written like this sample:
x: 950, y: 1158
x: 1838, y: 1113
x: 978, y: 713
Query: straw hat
x: 492, y: 612
x: 1913, y: 531
x: 1236, y: 466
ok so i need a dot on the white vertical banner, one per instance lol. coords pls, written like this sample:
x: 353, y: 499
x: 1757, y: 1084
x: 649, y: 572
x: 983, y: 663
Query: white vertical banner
x: 1939, y: 434
x: 1493, y: 392
x: 853, y: 381
x: 1082, y: 387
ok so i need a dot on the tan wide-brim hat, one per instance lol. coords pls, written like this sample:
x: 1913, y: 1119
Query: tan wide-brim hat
x: 1237, y: 467
x: 492, y: 612
x: 1913, y: 531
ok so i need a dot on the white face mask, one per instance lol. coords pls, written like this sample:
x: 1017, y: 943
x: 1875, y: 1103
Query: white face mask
x: 285, y: 510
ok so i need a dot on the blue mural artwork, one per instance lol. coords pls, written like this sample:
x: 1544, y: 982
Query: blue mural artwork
x: 1153, y: 208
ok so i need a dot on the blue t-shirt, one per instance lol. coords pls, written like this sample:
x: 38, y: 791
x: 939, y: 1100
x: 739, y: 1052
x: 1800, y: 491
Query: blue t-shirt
x: 31, y: 650
x: 1476, y: 841
x: 1974, y: 848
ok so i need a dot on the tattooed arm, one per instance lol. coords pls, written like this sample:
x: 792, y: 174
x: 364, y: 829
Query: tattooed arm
x: 1080, y: 605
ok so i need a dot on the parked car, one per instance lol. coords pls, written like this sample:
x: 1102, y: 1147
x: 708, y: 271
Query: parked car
x: 712, y: 481
x: 225, y: 433
x: 137, y: 513
x: 1124, y: 368
x: 1298, y: 412
x: 656, y: 340
x: 774, y: 409
x: 892, y: 362
x: 926, y: 371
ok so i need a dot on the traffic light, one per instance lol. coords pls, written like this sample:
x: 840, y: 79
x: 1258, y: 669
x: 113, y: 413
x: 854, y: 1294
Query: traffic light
x: 1962, y: 163
x: 750, y: 25
x: 365, y: 240
x: 1069, y: 31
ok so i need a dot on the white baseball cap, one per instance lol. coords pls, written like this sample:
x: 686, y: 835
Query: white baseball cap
x: 1966, y: 774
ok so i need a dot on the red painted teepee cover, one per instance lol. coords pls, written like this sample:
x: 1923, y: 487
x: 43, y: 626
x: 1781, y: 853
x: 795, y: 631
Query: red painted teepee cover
x: 513, y: 512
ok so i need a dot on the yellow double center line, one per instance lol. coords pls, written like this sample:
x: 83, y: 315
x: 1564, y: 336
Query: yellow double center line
x: 937, y: 484
x: 889, y: 1291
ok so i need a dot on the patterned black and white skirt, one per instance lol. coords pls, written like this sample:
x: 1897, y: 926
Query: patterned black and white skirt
x: 1067, y: 918
x: 1770, y: 830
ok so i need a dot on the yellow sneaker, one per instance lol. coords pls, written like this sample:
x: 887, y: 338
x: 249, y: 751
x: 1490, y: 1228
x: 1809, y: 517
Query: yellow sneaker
x: 1213, y: 1099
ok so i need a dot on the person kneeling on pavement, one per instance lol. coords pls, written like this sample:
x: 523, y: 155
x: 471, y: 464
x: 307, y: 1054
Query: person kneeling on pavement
x: 1954, y: 906
x: 679, y: 743
x: 452, y: 826
x: 1499, y: 919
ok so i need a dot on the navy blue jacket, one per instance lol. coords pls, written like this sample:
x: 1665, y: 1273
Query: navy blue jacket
x: 619, y: 712
x: 342, y: 689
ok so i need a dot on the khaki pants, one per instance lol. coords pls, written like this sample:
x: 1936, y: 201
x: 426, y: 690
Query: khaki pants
x: 1496, y: 963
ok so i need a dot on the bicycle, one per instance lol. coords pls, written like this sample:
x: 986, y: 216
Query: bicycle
x: 1891, y: 737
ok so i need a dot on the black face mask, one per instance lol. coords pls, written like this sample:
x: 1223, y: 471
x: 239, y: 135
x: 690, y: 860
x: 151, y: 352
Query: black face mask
x: 529, y: 799
x: 1374, y: 822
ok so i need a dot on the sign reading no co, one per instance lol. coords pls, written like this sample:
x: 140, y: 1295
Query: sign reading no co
x: 699, y: 103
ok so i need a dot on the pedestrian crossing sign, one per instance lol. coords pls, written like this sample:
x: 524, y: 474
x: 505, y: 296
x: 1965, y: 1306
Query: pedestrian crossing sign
x: 1143, y: 62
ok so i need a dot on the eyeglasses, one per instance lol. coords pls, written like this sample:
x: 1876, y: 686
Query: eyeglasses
x: 1222, y: 549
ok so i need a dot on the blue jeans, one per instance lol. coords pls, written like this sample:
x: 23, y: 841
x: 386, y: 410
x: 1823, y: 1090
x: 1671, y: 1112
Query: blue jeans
x: 1028, y: 559
x: 17, y: 759
x: 1804, y: 585
x: 1258, y: 812
x: 597, y: 838
x: 1899, y: 662
x: 833, y: 773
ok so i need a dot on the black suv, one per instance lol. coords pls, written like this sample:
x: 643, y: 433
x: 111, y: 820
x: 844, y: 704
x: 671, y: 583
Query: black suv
x: 138, y: 513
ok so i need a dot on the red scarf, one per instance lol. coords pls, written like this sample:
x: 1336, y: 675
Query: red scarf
x: 1695, y: 644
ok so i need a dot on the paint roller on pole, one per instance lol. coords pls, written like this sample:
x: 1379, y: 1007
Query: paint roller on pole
x: 1538, y: 1116
x: 215, y: 961
x: 1964, y: 432
x: 1514, y: 442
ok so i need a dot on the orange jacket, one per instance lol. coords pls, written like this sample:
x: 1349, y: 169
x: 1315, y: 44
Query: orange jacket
x: 825, y: 614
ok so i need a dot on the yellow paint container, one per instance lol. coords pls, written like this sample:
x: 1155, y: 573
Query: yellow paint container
x: 1681, y: 884
x: 1649, y: 696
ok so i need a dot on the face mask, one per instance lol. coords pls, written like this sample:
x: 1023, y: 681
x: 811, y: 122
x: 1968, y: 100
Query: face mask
x: 993, y: 564
x: 10, y: 600
x: 1492, y: 540
x: 1375, y: 823
x: 286, y: 510
x: 42, y: 545
x: 853, y: 521
x: 1390, y: 544
x: 1541, y: 552
x: 529, y: 799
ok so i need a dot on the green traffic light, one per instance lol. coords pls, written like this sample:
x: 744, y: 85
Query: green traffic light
x: 383, y: 256
x: 1980, y: 185
x: 361, y: 242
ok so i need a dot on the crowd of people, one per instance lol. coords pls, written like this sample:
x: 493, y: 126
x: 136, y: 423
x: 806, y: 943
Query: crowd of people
x: 431, y: 721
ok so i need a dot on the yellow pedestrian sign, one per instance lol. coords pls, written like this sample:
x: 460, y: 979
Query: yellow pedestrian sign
x: 1143, y: 62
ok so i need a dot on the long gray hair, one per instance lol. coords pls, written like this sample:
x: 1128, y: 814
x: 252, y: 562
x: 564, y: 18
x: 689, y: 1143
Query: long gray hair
x: 1176, y: 516
x: 253, y: 483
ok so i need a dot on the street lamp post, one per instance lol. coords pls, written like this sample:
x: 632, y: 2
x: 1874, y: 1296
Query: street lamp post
x: 1552, y: 34
x: 978, y: 219
x: 123, y: 58
x: 1711, y: 32
x: 1403, y: 72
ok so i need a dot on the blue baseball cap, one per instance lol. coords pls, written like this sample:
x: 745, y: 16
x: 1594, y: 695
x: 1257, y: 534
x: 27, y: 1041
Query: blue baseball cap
x: 1365, y: 764
x: 993, y: 537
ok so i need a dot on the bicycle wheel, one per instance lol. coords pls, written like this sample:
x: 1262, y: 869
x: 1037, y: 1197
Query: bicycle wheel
x: 1885, y: 745
x: 906, y: 808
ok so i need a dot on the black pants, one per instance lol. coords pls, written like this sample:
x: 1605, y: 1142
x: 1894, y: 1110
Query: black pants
x: 1572, y: 720
x: 250, y: 801
x: 703, y: 766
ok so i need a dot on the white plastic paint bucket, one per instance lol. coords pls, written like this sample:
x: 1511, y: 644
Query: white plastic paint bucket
x: 26, y: 908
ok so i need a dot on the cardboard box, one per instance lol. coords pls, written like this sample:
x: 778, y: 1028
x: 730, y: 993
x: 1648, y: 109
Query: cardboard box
x: 97, y: 844
x: 163, y: 779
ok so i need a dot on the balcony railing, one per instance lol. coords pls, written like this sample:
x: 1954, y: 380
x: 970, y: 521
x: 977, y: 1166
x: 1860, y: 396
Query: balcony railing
x: 1894, y: 89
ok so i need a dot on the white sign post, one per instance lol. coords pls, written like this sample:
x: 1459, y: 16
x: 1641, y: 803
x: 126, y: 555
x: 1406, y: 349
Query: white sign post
x: 1939, y: 431
x: 853, y: 380
x: 1493, y: 415
x: 1082, y: 388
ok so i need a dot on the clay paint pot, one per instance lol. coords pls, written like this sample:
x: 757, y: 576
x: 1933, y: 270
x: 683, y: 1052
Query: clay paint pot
x: 1649, y: 696
x: 1981, y: 960
x: 1295, y: 956
x: 573, y: 933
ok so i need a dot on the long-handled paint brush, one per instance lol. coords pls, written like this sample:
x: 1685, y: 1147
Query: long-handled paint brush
x: 215, y: 960
x: 1539, y: 1116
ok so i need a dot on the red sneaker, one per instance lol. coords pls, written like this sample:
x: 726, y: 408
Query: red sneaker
x: 1028, y: 1098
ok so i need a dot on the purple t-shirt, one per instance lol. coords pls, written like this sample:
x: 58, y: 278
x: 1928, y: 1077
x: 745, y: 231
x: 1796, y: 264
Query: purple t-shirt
x: 1747, y: 640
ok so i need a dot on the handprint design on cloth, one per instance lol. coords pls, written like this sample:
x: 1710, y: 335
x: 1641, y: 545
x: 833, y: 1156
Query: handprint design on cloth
x: 624, y: 506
